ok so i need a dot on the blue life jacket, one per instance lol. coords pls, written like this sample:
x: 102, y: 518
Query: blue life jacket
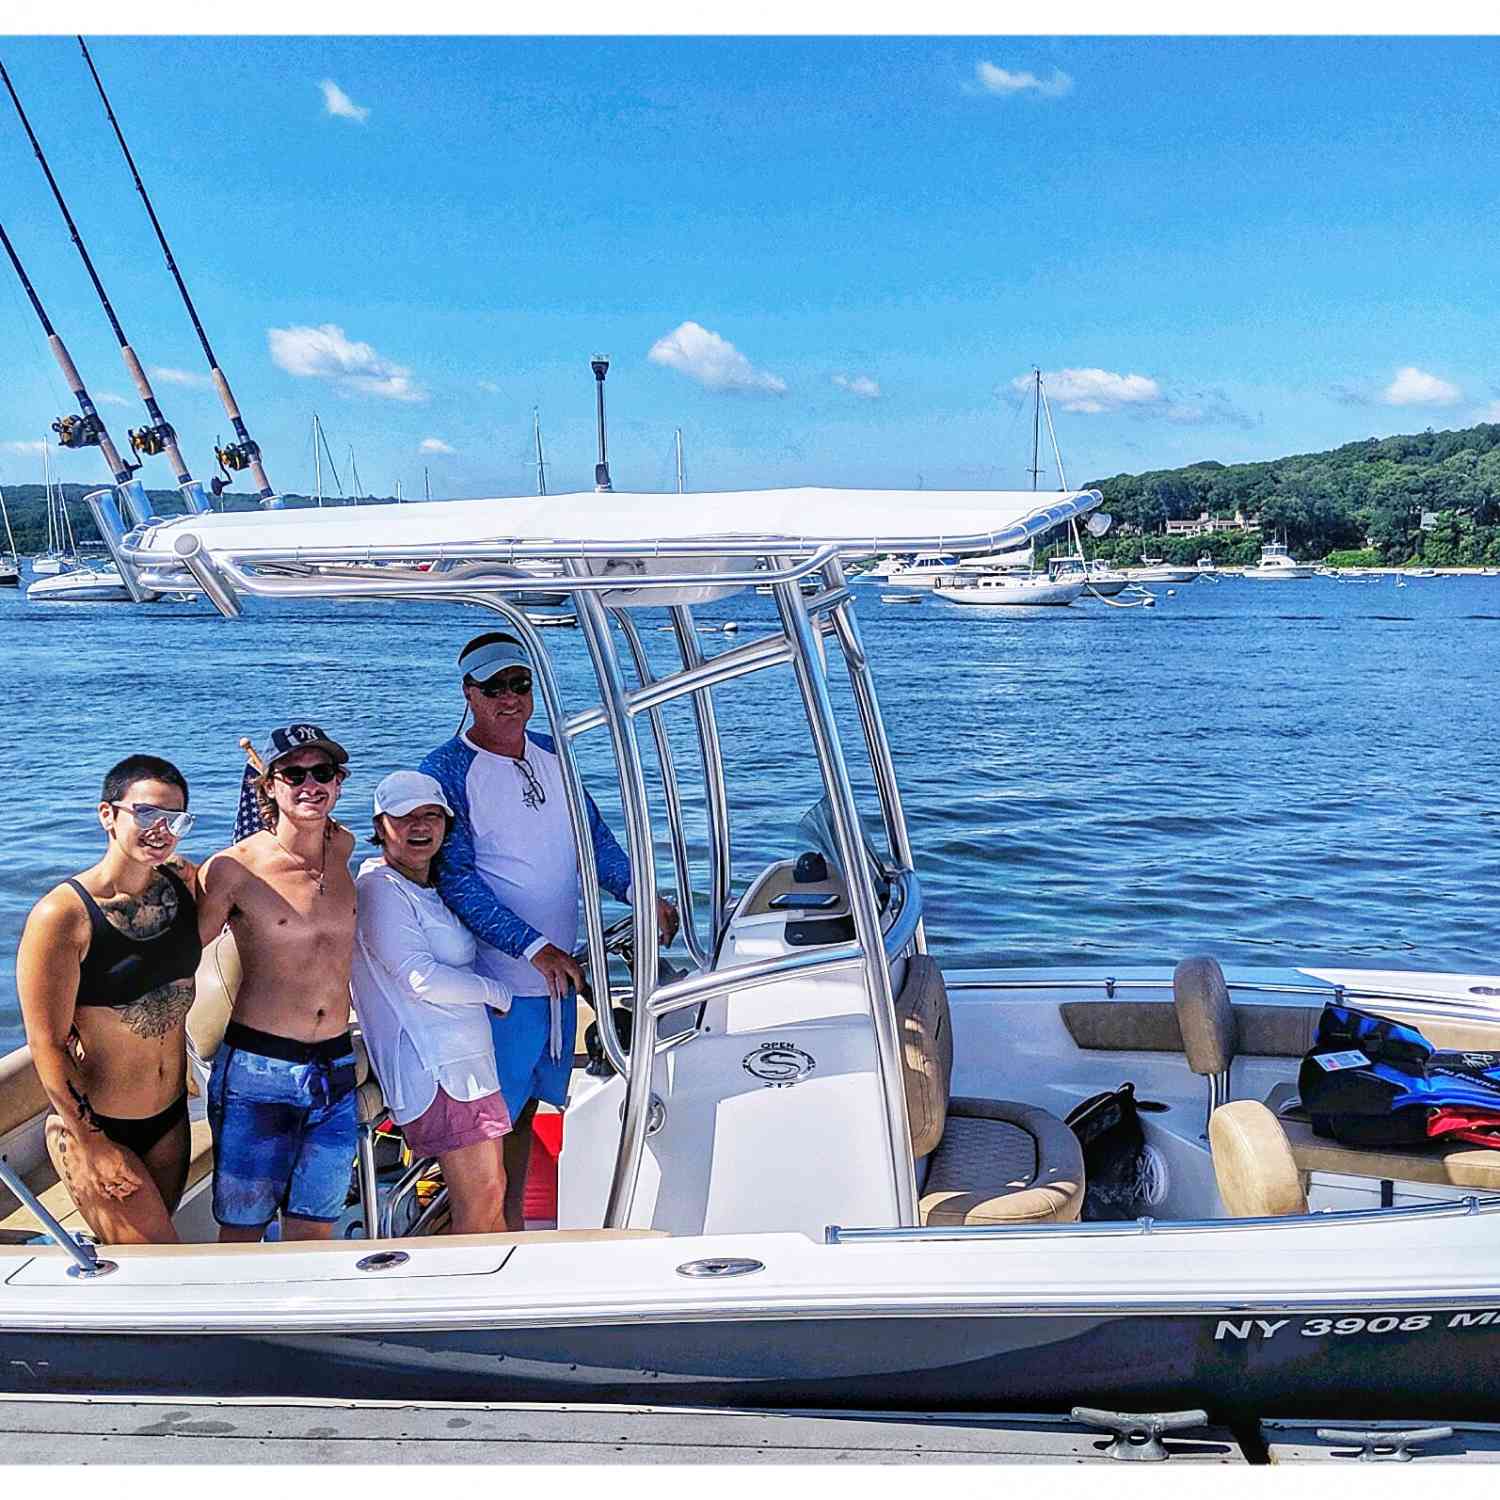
x: 1371, y: 1081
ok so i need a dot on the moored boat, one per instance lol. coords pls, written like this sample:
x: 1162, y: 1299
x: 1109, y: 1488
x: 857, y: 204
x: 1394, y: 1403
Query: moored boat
x: 1277, y: 565
x: 816, y: 1170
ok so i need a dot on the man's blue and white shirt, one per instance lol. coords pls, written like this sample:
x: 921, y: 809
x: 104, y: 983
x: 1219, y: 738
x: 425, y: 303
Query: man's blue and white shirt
x: 509, y: 868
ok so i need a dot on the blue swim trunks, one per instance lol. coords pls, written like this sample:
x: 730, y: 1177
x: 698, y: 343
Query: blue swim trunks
x: 285, y: 1130
x: 521, y: 1034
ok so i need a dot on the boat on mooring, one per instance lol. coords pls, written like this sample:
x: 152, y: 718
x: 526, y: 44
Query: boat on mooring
x: 819, y: 1167
x: 1277, y: 565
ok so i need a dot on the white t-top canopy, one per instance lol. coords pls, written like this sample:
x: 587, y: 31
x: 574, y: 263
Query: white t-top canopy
x: 591, y: 524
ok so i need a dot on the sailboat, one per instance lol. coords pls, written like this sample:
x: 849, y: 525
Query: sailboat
x: 10, y: 564
x: 75, y: 579
x: 57, y: 556
x: 987, y: 580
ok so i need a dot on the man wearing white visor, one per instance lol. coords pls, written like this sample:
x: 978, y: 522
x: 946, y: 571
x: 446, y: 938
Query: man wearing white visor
x: 509, y: 871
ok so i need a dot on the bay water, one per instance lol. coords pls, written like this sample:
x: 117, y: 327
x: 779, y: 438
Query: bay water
x: 1272, y: 773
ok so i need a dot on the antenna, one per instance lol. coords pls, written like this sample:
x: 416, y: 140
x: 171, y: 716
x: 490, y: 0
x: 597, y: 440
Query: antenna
x: 600, y: 366
x: 1036, y: 430
x: 245, y: 453
x: 681, y: 477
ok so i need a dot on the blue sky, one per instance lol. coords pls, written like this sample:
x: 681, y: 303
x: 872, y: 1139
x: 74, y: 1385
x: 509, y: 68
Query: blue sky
x: 827, y: 261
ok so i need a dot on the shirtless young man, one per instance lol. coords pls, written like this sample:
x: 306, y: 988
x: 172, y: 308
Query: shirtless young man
x: 281, y: 1096
x: 105, y: 975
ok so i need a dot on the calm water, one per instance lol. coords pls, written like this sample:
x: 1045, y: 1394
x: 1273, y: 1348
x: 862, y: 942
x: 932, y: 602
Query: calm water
x: 1280, y: 772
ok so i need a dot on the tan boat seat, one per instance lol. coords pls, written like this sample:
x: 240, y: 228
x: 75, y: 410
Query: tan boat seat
x: 1444, y: 1166
x: 988, y: 1161
x: 1257, y: 1174
x: 217, y: 983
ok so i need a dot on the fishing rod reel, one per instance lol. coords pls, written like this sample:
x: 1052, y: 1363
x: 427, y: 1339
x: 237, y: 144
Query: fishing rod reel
x: 79, y: 431
x: 149, y: 441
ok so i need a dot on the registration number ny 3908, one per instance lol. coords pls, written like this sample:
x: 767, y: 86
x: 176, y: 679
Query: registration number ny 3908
x: 1251, y: 1330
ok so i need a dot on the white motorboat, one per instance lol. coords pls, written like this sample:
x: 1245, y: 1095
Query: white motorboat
x: 919, y: 572
x: 1024, y: 590
x: 1155, y: 570
x: 1277, y: 565
x: 82, y: 583
x: 1099, y: 580
x: 814, y: 1171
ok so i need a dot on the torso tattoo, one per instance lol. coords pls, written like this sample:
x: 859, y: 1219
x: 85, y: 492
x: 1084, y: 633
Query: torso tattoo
x: 143, y: 917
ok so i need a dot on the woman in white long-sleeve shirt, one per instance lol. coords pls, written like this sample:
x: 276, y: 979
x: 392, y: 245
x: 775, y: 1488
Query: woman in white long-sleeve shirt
x: 423, y: 1009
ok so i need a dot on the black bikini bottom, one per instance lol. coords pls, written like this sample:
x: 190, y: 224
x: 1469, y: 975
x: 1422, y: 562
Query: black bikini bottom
x: 141, y: 1135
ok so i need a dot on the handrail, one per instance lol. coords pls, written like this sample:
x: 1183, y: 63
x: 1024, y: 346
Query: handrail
x: 715, y: 793
x: 86, y: 1261
x: 696, y: 988
x: 670, y: 790
x: 594, y: 623
x: 812, y: 682
x: 836, y: 1234
x: 711, y: 671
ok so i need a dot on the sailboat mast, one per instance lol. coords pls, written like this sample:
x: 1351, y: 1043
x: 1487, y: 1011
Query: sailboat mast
x: 245, y: 453
x: 681, y: 477
x: 10, y: 540
x: 1036, y: 430
x: 160, y: 436
x: 541, y: 466
x: 317, y: 461
x: 426, y: 483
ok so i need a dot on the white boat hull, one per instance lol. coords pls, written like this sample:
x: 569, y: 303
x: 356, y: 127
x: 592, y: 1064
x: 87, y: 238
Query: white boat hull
x: 1278, y: 574
x: 80, y: 586
x: 1010, y: 593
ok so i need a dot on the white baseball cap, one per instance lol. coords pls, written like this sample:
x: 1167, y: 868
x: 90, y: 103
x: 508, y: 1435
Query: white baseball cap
x: 403, y: 791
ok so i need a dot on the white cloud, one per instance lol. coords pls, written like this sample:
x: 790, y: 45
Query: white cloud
x: 326, y: 353
x: 24, y: 449
x: 1094, y: 390
x: 701, y: 355
x: 337, y: 103
x: 433, y: 445
x: 109, y: 398
x: 1491, y: 413
x: 1414, y: 387
x: 859, y: 385
x: 168, y: 376
x: 1002, y: 81
x: 489, y: 387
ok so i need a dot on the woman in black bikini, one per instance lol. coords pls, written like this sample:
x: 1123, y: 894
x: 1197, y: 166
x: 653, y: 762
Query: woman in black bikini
x: 105, y: 975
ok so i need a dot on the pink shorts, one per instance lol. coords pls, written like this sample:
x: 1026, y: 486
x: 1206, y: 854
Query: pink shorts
x: 449, y: 1124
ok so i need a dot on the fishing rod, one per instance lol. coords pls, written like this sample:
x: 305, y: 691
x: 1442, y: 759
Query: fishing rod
x: 245, y: 452
x: 159, y: 437
x: 87, y: 430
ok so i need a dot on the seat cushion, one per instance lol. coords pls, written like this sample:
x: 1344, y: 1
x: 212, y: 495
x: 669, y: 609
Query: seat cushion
x: 1257, y: 1174
x: 1450, y: 1166
x: 1001, y: 1162
x: 926, y: 1051
x: 218, y: 982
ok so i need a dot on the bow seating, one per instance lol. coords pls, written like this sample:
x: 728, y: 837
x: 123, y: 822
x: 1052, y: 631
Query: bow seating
x: 979, y: 1161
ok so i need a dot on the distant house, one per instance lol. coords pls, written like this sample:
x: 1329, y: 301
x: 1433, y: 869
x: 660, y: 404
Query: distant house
x: 1207, y: 525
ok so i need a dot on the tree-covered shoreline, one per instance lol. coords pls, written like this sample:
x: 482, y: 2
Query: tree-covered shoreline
x: 1366, y: 499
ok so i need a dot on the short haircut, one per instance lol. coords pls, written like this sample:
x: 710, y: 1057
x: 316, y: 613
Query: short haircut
x: 120, y: 778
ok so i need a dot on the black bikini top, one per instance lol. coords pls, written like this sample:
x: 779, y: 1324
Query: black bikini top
x: 117, y: 970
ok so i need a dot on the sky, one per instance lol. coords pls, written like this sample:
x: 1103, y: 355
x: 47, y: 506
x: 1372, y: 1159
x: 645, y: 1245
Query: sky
x: 825, y: 260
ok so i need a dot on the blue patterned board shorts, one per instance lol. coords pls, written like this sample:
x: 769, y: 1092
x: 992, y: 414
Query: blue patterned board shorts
x: 284, y: 1136
x: 521, y: 1035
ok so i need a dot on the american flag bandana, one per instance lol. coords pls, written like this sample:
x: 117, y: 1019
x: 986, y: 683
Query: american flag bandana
x: 247, y: 818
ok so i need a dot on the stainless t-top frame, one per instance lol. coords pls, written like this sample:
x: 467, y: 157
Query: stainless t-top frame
x: 806, y: 624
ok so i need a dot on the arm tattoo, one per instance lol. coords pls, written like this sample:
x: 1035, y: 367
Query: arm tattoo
x: 85, y: 1109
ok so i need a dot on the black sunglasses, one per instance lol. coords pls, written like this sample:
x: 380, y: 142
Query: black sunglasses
x: 322, y: 773
x: 497, y: 687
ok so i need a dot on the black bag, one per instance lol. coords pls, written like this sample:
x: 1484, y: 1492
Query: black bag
x: 1124, y: 1178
